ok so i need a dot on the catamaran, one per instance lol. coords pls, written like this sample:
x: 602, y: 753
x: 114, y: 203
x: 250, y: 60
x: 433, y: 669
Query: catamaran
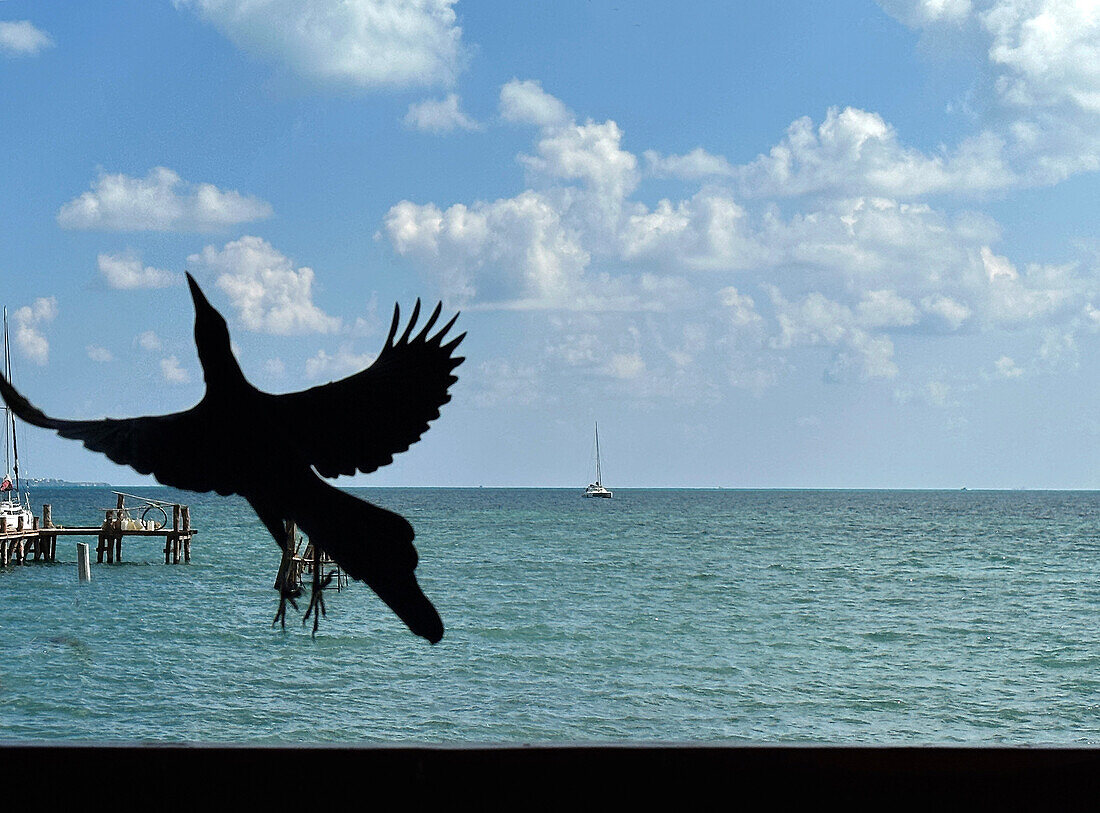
x: 596, y: 489
x: 15, y: 503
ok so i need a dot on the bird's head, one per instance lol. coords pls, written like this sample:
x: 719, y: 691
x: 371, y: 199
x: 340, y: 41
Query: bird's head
x: 211, y: 338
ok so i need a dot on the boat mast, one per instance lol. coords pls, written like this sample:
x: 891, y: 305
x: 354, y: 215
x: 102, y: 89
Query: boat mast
x: 9, y: 422
x: 598, y: 479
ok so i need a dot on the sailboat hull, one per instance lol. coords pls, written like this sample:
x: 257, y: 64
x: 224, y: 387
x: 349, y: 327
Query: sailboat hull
x: 598, y: 491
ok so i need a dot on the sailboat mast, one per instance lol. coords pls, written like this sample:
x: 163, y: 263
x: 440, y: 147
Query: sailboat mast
x: 11, y: 415
x: 7, y: 409
x: 598, y: 478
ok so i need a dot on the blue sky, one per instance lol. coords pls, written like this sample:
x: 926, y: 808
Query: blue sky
x: 765, y: 245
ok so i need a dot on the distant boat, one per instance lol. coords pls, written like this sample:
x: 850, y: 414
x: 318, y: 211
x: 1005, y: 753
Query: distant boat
x: 16, y: 503
x: 596, y: 489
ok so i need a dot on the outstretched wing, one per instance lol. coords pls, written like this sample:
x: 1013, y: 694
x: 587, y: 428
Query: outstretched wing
x: 175, y: 448
x: 362, y: 421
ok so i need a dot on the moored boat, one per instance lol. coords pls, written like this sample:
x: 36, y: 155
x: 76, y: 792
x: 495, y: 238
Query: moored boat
x: 597, y: 488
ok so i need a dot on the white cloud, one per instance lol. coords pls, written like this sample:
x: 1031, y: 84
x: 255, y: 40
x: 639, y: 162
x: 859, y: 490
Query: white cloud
x: 518, y: 247
x: 590, y: 153
x: 343, y: 363
x: 270, y: 294
x: 275, y: 368
x: 126, y: 271
x: 1050, y: 50
x: 161, y: 201
x: 741, y: 309
x: 849, y: 262
x: 525, y: 102
x: 928, y: 12
x: 172, y: 372
x: 625, y: 365
x: 498, y: 381
x: 439, y: 116
x: 99, y: 354
x: 1044, y: 60
x: 22, y: 38
x: 818, y: 320
x: 886, y: 309
x: 366, y: 43
x: 29, y: 320
x: 952, y: 313
x: 694, y: 165
x: 855, y: 152
x: 148, y: 341
x: 1007, y: 368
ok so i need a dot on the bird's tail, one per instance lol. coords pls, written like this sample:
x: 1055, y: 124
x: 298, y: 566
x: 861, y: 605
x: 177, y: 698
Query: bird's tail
x: 370, y: 544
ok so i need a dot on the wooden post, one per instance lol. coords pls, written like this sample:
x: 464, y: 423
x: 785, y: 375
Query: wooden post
x: 286, y: 575
x: 175, y: 517
x: 121, y: 503
x: 187, y: 533
x: 47, y: 516
x: 83, y: 562
x: 108, y: 536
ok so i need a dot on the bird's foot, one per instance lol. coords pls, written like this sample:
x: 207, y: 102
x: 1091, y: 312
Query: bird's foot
x: 284, y: 597
x: 317, y: 603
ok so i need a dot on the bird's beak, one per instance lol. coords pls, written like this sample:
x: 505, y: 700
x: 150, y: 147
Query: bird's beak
x: 197, y: 296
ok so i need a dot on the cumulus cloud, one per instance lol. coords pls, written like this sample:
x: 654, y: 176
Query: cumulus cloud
x: 1049, y: 51
x: 439, y: 116
x: 269, y: 293
x: 344, y: 362
x: 99, y: 354
x: 29, y: 321
x: 1007, y: 368
x: 625, y: 365
x: 126, y: 271
x: 928, y: 12
x: 525, y: 102
x: 172, y: 372
x: 694, y: 165
x: 855, y: 151
x: 500, y: 381
x: 275, y: 368
x: 148, y: 340
x: 365, y: 43
x: 161, y: 201
x: 22, y: 38
x: 1042, y: 56
x: 519, y: 247
x: 853, y: 258
x: 816, y: 319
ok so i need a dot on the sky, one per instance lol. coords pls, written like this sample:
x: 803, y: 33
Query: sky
x: 799, y: 244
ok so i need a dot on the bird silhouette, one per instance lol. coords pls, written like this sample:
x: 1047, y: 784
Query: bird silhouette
x: 270, y: 450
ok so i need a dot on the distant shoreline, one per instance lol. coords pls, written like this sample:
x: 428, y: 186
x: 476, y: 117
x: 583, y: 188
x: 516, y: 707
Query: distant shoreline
x: 340, y: 483
x: 51, y: 482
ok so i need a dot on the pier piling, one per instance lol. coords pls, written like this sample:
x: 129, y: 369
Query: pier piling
x: 83, y: 562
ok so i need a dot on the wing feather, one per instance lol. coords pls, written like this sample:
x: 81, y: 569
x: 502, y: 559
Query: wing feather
x: 362, y: 421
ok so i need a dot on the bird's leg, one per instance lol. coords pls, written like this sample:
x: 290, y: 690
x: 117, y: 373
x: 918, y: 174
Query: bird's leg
x: 317, y: 594
x: 285, y: 595
x: 286, y: 584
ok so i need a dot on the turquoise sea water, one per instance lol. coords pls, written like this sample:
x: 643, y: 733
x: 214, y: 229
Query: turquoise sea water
x: 743, y: 616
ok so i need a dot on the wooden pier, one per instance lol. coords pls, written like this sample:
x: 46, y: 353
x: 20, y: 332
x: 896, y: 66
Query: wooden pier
x: 39, y: 542
x: 295, y: 564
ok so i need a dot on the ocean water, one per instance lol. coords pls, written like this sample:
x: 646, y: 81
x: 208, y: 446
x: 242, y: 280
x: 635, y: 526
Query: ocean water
x: 878, y: 617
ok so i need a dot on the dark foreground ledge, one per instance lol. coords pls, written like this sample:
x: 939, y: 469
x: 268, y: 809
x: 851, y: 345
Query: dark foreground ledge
x: 540, y: 775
